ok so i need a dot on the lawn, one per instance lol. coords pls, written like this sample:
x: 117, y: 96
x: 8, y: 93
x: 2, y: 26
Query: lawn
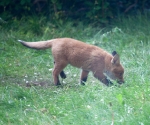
x: 29, y: 97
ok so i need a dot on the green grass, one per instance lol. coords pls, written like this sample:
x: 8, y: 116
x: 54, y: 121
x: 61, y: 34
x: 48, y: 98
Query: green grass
x: 93, y: 104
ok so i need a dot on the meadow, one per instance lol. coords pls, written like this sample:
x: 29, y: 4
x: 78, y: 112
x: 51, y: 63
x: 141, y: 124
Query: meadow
x: 29, y: 97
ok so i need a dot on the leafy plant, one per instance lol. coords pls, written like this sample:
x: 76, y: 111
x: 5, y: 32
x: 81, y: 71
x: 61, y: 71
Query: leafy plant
x: 97, y: 12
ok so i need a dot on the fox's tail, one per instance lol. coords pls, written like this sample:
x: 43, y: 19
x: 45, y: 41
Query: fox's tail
x: 37, y: 45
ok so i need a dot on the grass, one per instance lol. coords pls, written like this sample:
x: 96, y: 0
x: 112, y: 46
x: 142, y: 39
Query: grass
x: 28, y: 96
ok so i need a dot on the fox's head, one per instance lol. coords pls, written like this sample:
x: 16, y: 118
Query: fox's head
x: 116, y: 70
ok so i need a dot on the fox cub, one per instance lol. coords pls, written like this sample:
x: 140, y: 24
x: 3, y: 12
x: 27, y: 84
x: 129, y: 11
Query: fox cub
x: 79, y: 54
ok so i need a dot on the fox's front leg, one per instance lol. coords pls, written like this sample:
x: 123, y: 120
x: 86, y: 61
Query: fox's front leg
x: 83, y: 78
x: 100, y: 76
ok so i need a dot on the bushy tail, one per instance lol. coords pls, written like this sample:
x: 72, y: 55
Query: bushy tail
x: 37, y: 45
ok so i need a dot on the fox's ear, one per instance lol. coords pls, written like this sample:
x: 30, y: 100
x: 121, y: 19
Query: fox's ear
x: 115, y: 59
x: 114, y: 53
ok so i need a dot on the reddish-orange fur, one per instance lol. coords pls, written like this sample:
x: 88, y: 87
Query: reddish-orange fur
x: 79, y: 54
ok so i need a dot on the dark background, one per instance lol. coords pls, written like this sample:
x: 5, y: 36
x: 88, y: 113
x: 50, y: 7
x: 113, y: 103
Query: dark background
x: 89, y: 11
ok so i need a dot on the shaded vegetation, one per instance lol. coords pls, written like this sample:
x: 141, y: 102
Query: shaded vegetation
x: 90, y: 11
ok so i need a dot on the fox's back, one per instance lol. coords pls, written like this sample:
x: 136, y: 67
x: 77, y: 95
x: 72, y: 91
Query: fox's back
x: 77, y: 53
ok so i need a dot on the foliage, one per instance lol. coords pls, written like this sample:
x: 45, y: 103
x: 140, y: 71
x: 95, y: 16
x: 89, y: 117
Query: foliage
x: 97, y: 11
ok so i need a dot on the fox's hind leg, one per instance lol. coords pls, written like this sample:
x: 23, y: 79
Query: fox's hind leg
x: 58, y: 69
x: 62, y: 74
x: 83, y: 78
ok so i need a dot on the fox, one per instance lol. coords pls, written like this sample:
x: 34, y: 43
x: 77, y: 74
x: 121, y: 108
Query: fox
x: 89, y: 58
